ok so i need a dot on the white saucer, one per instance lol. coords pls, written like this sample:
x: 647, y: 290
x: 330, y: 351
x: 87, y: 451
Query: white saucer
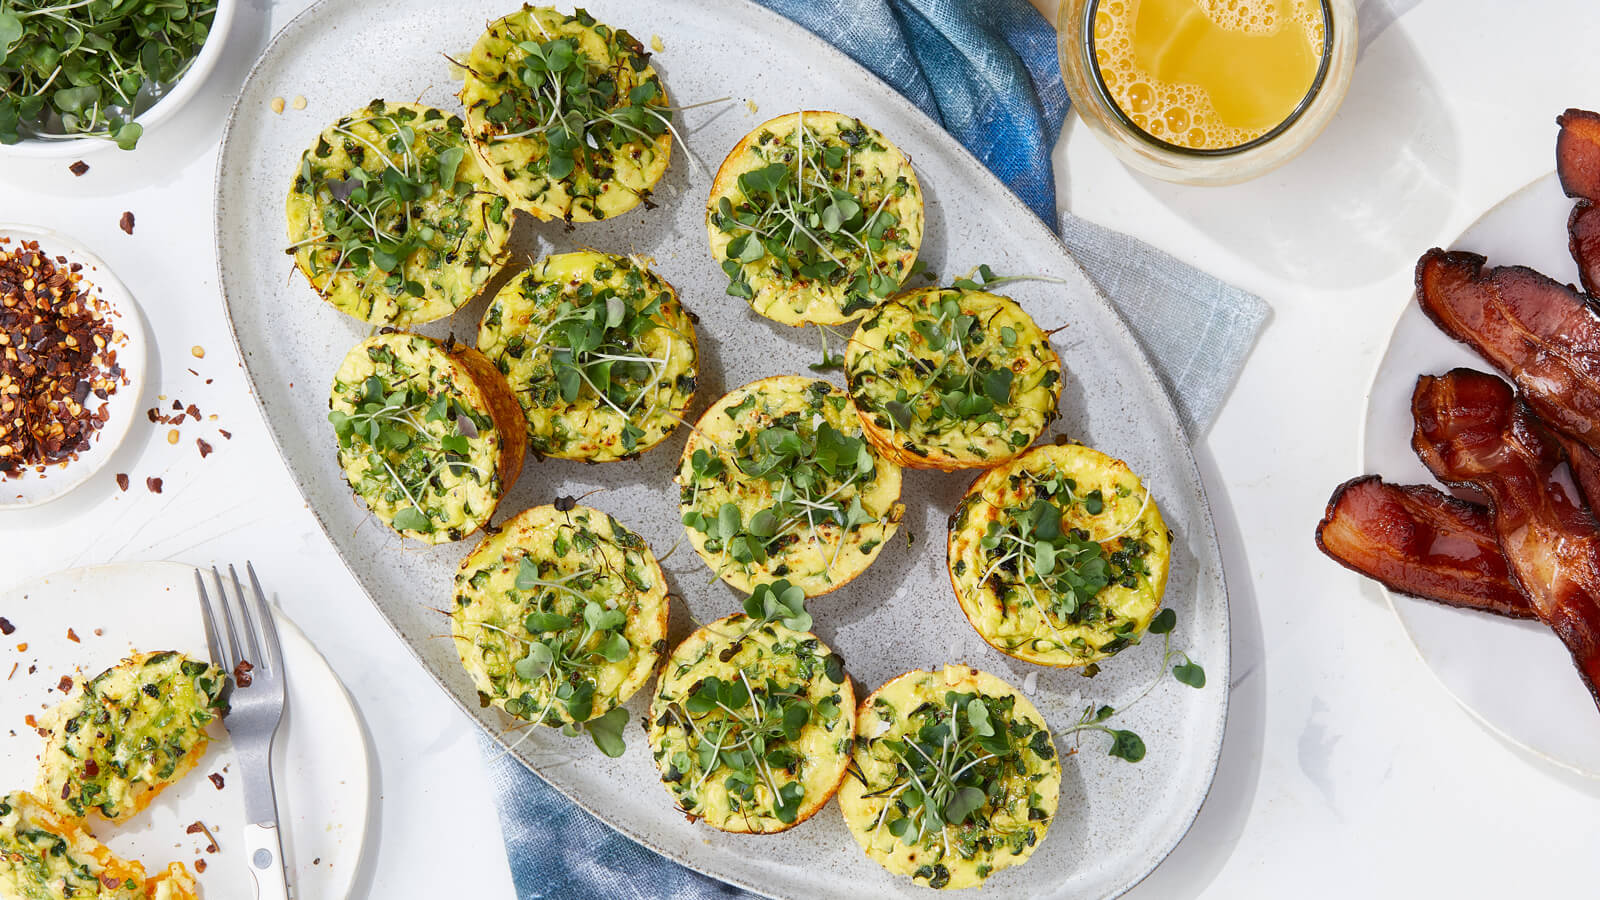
x: 33, y: 487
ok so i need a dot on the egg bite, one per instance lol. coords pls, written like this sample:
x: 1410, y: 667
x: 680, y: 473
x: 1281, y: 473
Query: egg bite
x: 429, y: 435
x: 1060, y: 556
x: 598, y: 351
x: 815, y: 217
x: 390, y: 218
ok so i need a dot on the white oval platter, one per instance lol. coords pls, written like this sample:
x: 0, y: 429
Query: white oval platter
x: 1117, y: 820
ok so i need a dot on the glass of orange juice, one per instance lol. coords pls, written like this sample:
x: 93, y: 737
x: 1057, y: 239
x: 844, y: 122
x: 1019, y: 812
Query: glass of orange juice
x: 1207, y: 91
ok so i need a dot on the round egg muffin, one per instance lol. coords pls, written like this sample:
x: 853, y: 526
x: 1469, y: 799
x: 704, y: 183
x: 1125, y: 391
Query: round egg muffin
x: 955, y: 777
x: 598, y: 351
x: 430, y: 436
x: 751, y: 725
x: 566, y: 115
x: 561, y: 616
x: 777, y: 481
x: 815, y: 217
x: 948, y: 378
x: 1060, y: 556
x: 390, y: 218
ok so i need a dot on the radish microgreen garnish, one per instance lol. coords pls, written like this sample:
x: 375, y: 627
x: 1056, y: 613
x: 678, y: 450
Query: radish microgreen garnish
x: 71, y: 68
x: 1127, y: 744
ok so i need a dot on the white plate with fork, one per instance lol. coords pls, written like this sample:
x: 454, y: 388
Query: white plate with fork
x: 80, y: 622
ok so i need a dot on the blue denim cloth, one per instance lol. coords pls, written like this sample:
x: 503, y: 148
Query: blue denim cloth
x: 987, y: 71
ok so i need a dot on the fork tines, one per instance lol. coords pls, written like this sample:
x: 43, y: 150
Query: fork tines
x: 258, y: 656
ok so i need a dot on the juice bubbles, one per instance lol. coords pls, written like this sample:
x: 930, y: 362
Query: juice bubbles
x: 1208, y: 74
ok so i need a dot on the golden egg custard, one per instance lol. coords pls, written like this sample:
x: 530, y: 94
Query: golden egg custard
x: 561, y: 616
x: 1060, y: 556
x: 815, y: 217
x: 777, y: 482
x: 954, y: 777
x: 124, y: 736
x: 948, y: 378
x: 430, y: 436
x: 390, y: 218
x: 566, y: 115
x: 48, y: 856
x: 598, y: 351
x: 752, y: 722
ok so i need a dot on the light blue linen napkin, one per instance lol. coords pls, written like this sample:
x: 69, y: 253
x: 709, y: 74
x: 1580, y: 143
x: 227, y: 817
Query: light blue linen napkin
x: 987, y: 71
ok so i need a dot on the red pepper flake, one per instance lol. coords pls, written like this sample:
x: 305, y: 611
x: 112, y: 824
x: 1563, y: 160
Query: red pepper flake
x: 66, y: 791
x: 205, y: 448
x: 154, y: 484
x: 225, y: 433
x: 6, y: 627
x: 195, y: 828
x: 30, y: 721
x: 154, y: 414
x: 317, y: 861
x: 193, y: 372
x: 91, y: 768
x: 65, y: 684
x: 177, y: 405
x: 241, y: 674
x: 73, y: 636
x: 57, y: 347
x: 200, y: 866
x: 111, y: 882
x: 194, y: 412
x: 122, y: 481
x: 99, y: 632
x: 216, y: 779
x: 78, y: 168
x: 126, y: 223
x: 13, y: 671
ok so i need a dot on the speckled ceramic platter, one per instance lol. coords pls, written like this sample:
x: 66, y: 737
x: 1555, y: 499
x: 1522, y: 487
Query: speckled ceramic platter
x: 1117, y: 820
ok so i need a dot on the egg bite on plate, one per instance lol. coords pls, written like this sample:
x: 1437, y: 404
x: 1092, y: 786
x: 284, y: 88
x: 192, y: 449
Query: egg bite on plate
x: 815, y: 217
x: 566, y: 115
x: 777, y: 481
x: 1060, y: 556
x: 598, y: 351
x: 390, y: 218
x: 430, y: 437
x: 48, y: 856
x: 954, y: 777
x: 560, y: 616
x: 949, y: 378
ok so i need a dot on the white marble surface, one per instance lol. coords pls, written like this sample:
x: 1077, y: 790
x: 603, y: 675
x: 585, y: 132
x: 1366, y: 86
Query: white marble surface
x: 1346, y: 770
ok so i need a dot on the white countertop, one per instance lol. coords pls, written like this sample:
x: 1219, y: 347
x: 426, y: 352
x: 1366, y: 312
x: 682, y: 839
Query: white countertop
x: 1347, y: 769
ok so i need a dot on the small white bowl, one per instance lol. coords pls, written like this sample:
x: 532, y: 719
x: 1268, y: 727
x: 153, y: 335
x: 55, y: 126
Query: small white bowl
x: 175, y: 97
x: 32, y: 487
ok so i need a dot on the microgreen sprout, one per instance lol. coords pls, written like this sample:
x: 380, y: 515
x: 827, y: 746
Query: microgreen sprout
x: 1127, y: 744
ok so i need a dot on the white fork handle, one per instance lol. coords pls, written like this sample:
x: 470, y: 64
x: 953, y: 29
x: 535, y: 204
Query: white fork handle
x: 263, y: 853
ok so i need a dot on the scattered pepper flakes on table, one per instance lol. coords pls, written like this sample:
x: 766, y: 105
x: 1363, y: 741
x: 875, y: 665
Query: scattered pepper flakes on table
x: 205, y: 448
x: 154, y: 484
x: 78, y: 168
x: 122, y: 481
x: 126, y: 223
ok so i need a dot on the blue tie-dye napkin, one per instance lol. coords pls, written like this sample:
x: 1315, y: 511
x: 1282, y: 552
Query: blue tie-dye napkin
x: 987, y: 71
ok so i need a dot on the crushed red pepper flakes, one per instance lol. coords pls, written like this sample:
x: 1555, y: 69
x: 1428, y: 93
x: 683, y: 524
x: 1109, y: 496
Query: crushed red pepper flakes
x: 226, y: 434
x: 73, y: 636
x: 241, y: 674
x: 122, y: 481
x: 6, y: 628
x: 154, y: 484
x: 216, y: 779
x: 57, y: 347
x: 200, y: 866
x: 126, y: 223
x: 78, y: 168
x: 65, y: 684
x: 205, y: 448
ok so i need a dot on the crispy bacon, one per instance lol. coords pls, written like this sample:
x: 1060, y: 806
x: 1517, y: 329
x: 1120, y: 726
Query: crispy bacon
x: 1540, y: 333
x: 1418, y: 541
x: 1583, y: 241
x: 1578, y: 153
x: 1585, y: 465
x: 1470, y: 429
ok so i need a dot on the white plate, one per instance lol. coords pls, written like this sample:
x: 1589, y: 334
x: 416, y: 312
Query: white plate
x: 1516, y: 676
x: 188, y: 85
x: 1117, y: 820
x: 319, y: 757
x: 33, y: 487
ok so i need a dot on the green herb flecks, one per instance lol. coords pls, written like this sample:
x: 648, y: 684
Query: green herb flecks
x: 89, y: 67
x: 1126, y: 744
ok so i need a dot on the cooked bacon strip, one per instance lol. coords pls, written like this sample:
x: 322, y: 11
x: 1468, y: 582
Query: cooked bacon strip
x: 1419, y: 541
x: 1470, y: 429
x: 1578, y: 153
x: 1583, y: 241
x: 1540, y: 333
x: 1585, y: 465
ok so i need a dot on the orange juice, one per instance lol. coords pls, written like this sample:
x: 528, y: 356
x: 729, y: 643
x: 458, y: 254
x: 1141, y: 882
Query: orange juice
x: 1208, y: 74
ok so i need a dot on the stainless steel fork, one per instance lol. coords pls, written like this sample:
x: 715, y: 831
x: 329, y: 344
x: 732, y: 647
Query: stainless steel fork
x: 255, y: 709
